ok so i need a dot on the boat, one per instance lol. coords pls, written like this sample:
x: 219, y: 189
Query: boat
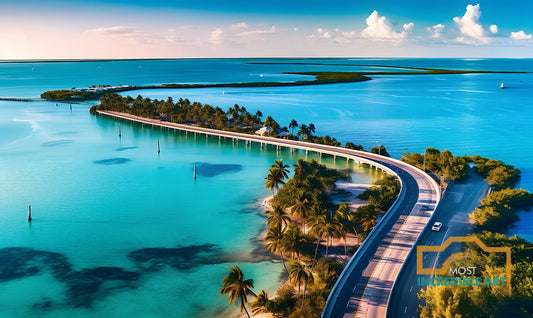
x: 501, y: 86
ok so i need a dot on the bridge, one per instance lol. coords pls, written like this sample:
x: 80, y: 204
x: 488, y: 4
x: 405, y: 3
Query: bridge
x: 364, y: 287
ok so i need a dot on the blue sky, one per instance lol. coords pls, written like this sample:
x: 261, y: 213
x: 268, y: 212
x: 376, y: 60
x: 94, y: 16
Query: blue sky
x: 238, y: 28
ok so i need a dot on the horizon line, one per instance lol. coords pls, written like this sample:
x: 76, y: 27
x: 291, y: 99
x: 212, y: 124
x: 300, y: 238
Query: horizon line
x: 61, y: 60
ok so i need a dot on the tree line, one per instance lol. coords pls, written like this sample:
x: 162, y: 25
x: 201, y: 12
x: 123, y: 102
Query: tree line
x: 236, y: 118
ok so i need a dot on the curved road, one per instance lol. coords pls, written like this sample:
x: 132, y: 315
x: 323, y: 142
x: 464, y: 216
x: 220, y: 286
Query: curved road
x: 364, y: 287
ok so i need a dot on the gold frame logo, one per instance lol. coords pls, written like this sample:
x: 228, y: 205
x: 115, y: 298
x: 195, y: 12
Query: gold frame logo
x: 420, y: 270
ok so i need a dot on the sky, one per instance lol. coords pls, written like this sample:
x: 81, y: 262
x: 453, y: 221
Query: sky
x: 89, y: 29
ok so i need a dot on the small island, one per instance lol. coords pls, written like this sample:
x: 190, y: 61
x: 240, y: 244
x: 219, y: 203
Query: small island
x: 320, y: 78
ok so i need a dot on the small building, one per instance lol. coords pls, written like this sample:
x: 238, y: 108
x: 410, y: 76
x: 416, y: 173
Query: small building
x: 267, y: 131
x: 263, y: 130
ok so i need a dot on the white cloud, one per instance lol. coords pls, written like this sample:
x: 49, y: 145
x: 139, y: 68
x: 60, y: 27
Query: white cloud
x: 494, y: 29
x: 349, y: 34
x: 436, y: 30
x: 124, y: 33
x: 216, y: 37
x: 379, y: 28
x: 118, y: 30
x: 323, y: 33
x: 520, y: 35
x: 337, y: 34
x: 408, y: 27
x: 469, y: 24
x: 272, y: 30
x: 241, y: 25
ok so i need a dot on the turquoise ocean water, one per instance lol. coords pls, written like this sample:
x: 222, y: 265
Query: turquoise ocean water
x: 121, y: 231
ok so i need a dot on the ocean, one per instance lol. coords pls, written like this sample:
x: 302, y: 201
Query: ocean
x: 109, y: 210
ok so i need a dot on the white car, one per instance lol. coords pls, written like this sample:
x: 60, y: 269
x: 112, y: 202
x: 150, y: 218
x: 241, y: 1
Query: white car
x: 436, y: 226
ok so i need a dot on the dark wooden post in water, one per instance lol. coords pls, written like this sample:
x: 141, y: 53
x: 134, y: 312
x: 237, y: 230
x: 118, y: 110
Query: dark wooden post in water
x: 194, y: 172
x: 158, y: 149
x: 29, y: 213
x: 119, y: 132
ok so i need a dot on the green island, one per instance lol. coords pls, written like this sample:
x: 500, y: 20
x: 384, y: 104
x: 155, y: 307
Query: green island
x: 321, y: 77
x: 304, y: 225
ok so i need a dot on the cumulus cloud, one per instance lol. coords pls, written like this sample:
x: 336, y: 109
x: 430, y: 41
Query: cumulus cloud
x: 408, y: 27
x: 216, y: 37
x: 272, y: 30
x: 494, y: 29
x: 380, y: 28
x: 470, y: 26
x: 520, y: 35
x: 241, y: 25
x: 336, y: 34
x: 349, y: 34
x: 323, y: 33
x: 436, y: 30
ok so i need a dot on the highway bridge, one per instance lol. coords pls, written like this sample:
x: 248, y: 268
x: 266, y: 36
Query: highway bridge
x: 364, y: 287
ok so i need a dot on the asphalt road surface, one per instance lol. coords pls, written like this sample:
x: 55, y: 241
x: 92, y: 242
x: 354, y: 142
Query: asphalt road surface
x: 459, y: 200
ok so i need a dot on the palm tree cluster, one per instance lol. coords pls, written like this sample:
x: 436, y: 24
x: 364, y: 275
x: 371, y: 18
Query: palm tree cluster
x: 236, y: 118
x: 302, y: 219
x: 302, y: 200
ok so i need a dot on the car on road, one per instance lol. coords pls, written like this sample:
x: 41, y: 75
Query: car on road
x: 436, y: 226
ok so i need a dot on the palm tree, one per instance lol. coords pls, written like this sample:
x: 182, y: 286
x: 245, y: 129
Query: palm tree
x: 317, y: 220
x: 274, y: 243
x: 293, y: 124
x: 346, y: 223
x: 304, y: 131
x: 301, y: 169
x: 301, y: 206
x: 330, y: 230
x: 293, y: 240
x: 277, y: 217
x: 238, y: 288
x: 283, y: 168
x: 312, y: 128
x: 299, y: 275
x: 274, y: 179
x: 259, y: 305
x: 317, y: 198
x: 366, y: 215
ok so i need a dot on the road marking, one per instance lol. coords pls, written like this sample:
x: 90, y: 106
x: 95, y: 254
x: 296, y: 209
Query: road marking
x: 411, y: 289
x: 405, y: 310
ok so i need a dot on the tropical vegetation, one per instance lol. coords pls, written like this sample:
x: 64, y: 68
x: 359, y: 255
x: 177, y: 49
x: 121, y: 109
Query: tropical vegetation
x: 236, y: 118
x: 495, y: 214
x: 303, y: 223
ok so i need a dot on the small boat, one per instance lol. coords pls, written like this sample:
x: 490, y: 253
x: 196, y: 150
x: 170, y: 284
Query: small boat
x: 501, y: 86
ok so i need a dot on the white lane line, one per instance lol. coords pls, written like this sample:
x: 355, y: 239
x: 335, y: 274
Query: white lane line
x: 405, y: 310
x: 411, y: 289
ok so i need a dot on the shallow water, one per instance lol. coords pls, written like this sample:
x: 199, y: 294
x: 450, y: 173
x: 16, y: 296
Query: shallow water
x: 120, y: 230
